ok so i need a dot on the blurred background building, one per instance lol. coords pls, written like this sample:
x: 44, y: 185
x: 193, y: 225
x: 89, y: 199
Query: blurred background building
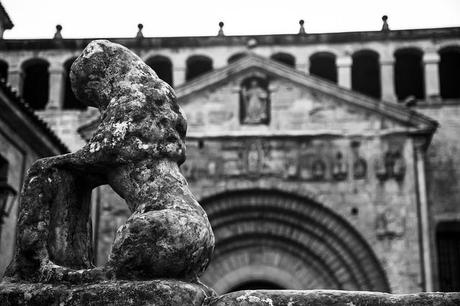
x: 325, y: 160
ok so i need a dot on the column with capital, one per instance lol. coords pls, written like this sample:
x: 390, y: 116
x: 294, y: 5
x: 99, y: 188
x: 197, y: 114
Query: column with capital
x: 387, y: 79
x: 344, y: 71
x: 430, y: 62
x: 56, y: 86
x: 15, y: 77
x: 178, y: 75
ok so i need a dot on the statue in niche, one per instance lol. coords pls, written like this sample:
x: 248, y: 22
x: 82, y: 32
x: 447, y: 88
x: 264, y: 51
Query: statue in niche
x: 359, y: 163
x: 339, y: 168
x: 254, y: 101
x: 318, y: 169
x: 137, y: 150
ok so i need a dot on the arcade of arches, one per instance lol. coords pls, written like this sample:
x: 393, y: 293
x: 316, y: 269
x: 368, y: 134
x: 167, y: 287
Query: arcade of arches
x: 365, y: 73
x: 271, y: 239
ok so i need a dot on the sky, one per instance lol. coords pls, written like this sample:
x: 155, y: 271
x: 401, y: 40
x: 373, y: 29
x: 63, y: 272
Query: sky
x: 116, y: 18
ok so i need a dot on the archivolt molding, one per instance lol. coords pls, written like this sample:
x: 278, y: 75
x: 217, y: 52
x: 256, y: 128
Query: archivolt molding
x: 290, y: 224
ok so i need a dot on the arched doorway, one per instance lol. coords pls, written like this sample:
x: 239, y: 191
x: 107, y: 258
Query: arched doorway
x: 273, y: 237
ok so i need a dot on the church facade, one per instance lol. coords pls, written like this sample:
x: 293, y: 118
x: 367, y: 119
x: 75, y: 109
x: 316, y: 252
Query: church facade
x: 323, y: 160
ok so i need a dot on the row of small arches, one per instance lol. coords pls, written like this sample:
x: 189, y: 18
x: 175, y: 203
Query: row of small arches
x: 365, y: 73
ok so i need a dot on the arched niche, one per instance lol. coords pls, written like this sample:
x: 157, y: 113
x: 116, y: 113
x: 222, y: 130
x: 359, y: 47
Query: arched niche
x: 3, y: 70
x: 287, y: 240
x: 163, y: 67
x: 197, y: 65
x: 408, y: 74
x: 322, y: 64
x: 70, y: 101
x: 449, y: 72
x: 35, y: 89
x: 365, y: 73
x: 235, y: 57
x: 284, y: 58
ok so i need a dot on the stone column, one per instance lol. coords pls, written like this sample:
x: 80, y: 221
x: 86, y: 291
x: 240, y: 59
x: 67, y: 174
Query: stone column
x: 56, y: 86
x: 387, y: 80
x: 431, y: 61
x: 15, y: 77
x: 344, y: 71
x: 419, y: 148
x: 178, y: 76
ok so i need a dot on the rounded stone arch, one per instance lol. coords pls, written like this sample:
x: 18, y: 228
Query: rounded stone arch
x: 323, y: 64
x: 4, y: 70
x: 449, y: 71
x: 70, y: 101
x: 287, y: 240
x: 35, y: 82
x: 365, y: 72
x: 197, y: 65
x: 163, y: 67
x: 236, y: 56
x: 409, y: 76
x: 284, y: 58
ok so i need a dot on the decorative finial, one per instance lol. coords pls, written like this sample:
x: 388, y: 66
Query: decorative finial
x: 58, y: 34
x: 302, y: 29
x: 139, y: 34
x: 252, y: 43
x: 385, y: 27
x: 221, y: 29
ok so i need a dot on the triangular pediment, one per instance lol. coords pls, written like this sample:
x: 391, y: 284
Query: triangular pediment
x: 298, y: 102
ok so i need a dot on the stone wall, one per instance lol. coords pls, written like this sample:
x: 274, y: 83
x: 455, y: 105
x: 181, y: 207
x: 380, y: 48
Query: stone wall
x: 443, y: 171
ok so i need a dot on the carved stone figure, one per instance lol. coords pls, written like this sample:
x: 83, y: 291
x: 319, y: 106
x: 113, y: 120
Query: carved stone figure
x: 254, y: 102
x: 136, y: 149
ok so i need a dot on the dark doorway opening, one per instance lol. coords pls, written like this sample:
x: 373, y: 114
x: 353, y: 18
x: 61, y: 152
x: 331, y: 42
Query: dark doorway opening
x: 284, y: 58
x: 162, y: 66
x: 197, y: 65
x: 4, y: 70
x: 35, y: 88
x: 365, y: 73
x: 449, y: 73
x: 323, y: 65
x: 409, y: 76
x: 70, y: 101
x: 236, y: 57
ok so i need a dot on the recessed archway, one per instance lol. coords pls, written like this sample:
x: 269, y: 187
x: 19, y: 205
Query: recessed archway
x: 284, y: 58
x: 70, y: 100
x: 322, y: 64
x: 197, y: 65
x: 35, y: 88
x: 365, y: 73
x: 409, y: 75
x: 449, y: 72
x: 287, y: 240
x: 162, y: 65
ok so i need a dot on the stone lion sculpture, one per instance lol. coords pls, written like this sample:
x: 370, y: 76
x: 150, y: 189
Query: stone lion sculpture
x: 136, y: 149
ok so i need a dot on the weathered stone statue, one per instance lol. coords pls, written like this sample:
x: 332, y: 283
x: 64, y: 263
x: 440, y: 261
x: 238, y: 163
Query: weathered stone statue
x: 137, y: 150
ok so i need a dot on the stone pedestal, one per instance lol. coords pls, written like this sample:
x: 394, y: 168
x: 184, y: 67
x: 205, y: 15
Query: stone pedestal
x: 155, y: 292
